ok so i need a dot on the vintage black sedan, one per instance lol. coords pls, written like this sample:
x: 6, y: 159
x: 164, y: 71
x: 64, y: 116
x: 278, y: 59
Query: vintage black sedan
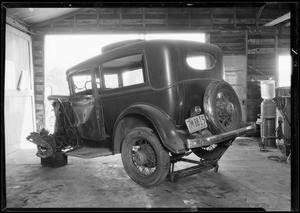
x: 154, y: 102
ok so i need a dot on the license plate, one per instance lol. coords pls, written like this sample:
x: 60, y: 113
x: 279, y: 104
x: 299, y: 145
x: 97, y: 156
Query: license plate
x: 196, y: 123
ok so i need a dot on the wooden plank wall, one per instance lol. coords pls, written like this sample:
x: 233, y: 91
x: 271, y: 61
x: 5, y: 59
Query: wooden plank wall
x: 39, y: 79
x: 264, y: 46
x: 234, y: 30
x: 106, y: 20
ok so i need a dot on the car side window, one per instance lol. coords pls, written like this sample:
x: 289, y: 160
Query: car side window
x: 132, y: 77
x: 123, y: 71
x: 111, y: 81
x: 82, y: 82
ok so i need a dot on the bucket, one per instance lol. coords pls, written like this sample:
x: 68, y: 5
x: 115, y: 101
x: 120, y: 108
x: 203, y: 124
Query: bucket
x: 267, y: 89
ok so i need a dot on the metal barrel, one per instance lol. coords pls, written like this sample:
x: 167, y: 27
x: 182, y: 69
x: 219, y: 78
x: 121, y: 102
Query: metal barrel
x: 268, y: 119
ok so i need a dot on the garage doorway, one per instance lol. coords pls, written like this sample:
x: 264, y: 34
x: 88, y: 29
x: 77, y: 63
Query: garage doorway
x: 285, y: 70
x: 65, y: 51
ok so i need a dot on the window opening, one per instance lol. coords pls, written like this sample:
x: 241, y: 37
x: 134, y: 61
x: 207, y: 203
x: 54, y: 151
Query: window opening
x: 200, y: 60
x: 285, y: 70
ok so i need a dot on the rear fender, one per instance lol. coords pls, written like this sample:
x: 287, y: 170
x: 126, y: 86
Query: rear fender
x: 147, y: 115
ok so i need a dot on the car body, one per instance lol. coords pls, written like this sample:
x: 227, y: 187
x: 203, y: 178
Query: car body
x: 170, y: 93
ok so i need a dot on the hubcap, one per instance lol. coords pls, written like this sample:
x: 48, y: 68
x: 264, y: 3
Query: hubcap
x: 144, y: 157
x: 225, y: 109
x: 230, y: 108
x: 140, y: 158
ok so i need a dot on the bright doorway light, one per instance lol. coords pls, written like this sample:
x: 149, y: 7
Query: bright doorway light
x: 284, y: 70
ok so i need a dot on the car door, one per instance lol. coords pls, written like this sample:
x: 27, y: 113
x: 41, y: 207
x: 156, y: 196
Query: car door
x: 84, y: 104
x: 124, y: 82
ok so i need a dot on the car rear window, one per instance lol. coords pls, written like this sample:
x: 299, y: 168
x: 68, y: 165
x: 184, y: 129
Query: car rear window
x: 200, y: 60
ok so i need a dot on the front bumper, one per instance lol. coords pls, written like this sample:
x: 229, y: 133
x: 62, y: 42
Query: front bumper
x: 214, y: 139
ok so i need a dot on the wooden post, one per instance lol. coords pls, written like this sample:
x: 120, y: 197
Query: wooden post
x: 276, y: 57
x: 234, y: 17
x: 246, y: 86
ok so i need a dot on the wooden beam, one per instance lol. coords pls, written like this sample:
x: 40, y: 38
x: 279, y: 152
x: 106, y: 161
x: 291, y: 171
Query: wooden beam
x: 143, y: 17
x: 276, y: 55
x: 16, y: 24
x: 211, y: 17
x: 259, y: 11
x: 278, y: 20
x: 189, y: 16
x: 60, y: 18
x: 234, y: 17
x: 98, y: 18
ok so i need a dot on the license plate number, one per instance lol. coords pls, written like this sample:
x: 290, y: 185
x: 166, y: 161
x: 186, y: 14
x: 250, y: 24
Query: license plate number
x: 196, y: 123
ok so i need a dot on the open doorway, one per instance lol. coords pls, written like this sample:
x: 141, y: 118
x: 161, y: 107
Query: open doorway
x: 284, y: 70
x: 65, y: 51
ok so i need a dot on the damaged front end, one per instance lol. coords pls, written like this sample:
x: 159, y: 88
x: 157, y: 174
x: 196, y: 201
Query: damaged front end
x: 65, y: 136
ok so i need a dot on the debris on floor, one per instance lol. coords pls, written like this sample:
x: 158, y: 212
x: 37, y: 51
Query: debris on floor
x: 190, y: 202
x: 282, y: 159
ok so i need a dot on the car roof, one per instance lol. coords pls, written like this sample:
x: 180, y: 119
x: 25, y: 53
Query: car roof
x: 123, y: 46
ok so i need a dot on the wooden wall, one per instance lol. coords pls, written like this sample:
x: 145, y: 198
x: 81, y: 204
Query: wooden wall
x: 106, y: 20
x: 39, y: 79
x: 264, y: 46
x: 237, y: 30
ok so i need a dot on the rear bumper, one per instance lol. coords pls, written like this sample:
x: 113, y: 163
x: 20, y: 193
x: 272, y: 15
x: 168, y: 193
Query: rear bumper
x: 207, y: 141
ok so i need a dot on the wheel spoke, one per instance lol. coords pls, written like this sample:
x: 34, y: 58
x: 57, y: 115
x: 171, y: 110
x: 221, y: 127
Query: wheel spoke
x: 224, y: 114
x: 147, y: 165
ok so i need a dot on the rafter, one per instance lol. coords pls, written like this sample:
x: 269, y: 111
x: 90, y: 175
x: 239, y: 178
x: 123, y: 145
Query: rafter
x: 259, y: 11
x: 60, y: 18
x: 278, y: 20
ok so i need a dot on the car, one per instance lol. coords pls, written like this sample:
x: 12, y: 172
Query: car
x: 153, y: 101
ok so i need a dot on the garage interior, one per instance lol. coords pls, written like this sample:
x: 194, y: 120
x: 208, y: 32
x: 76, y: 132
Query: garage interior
x: 252, y: 37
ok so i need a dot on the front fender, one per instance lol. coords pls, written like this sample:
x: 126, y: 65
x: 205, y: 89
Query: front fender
x: 162, y: 123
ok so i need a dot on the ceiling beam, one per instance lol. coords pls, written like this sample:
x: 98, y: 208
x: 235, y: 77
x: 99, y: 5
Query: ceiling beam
x: 278, y: 20
x: 41, y: 24
x: 18, y: 25
x: 259, y: 11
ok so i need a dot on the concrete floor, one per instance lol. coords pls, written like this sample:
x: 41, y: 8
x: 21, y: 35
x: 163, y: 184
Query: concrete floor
x: 246, y: 179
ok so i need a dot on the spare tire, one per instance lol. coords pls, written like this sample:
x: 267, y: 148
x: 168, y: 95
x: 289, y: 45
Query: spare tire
x: 222, y: 107
x: 223, y: 113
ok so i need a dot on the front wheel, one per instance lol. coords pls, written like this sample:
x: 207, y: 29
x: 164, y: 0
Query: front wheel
x: 144, y: 158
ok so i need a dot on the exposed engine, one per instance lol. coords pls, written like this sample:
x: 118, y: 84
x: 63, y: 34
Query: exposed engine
x: 64, y: 137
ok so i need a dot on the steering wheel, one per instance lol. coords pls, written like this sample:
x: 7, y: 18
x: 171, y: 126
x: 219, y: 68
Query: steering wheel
x: 86, y: 83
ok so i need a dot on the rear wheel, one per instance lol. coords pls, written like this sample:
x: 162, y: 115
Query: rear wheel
x: 223, y: 112
x: 144, y: 158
